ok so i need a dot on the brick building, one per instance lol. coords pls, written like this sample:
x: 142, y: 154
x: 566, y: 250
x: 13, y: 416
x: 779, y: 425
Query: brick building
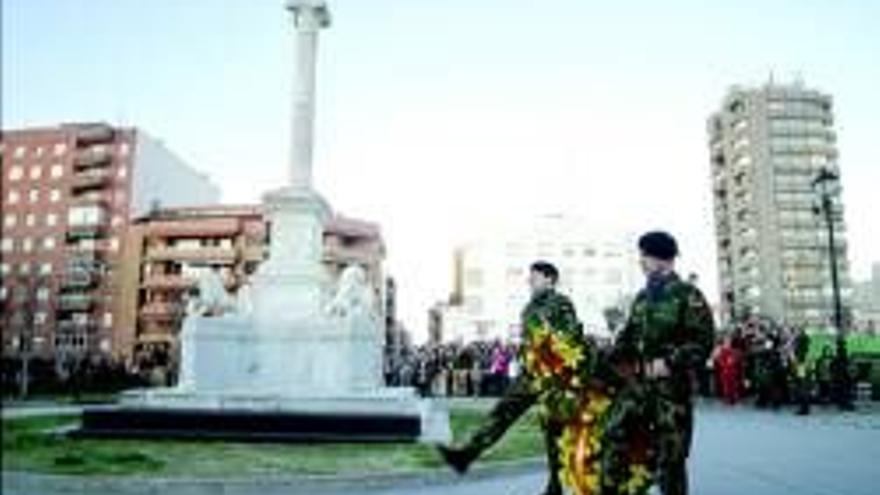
x: 69, y: 193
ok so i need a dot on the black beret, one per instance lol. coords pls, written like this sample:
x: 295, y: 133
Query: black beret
x: 659, y: 245
x: 546, y: 269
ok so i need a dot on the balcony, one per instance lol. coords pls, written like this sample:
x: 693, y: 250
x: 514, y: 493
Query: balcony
x: 803, y: 113
x: 202, y: 228
x: 93, y: 198
x: 91, y: 179
x: 162, y: 311
x: 344, y: 254
x: 92, y: 157
x: 90, y: 231
x: 94, y: 134
x: 76, y: 326
x: 156, y: 337
x: 85, y: 258
x: 169, y: 282
x: 180, y: 282
x: 76, y: 302
x: 79, y: 279
x: 221, y: 255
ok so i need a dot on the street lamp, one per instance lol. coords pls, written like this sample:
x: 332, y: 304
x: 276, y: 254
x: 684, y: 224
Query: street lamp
x: 826, y: 185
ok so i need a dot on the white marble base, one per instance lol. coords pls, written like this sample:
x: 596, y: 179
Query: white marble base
x: 309, y: 357
x: 433, y: 416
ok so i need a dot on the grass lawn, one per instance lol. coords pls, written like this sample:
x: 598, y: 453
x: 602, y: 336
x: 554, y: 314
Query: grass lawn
x: 28, y: 447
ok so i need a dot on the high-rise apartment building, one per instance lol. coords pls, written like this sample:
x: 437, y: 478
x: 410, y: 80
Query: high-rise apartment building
x: 767, y: 146
x: 68, y: 195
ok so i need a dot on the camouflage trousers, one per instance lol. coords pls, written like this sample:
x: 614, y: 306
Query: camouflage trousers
x: 517, y: 399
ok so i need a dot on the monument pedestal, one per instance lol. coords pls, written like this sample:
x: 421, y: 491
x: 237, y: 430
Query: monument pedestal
x: 317, y: 381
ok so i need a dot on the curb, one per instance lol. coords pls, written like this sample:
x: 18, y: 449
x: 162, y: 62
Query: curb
x: 25, y: 482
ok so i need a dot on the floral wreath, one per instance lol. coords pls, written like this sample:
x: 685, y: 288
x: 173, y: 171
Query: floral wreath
x: 600, y: 452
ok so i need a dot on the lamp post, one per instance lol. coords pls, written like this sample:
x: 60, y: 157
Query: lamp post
x: 827, y: 184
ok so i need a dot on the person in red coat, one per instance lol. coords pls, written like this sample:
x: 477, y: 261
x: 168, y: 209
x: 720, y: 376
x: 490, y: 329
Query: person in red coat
x: 729, y: 366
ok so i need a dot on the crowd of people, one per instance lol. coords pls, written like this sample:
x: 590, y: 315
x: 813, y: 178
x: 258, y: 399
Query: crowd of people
x: 766, y: 364
x: 480, y: 368
x: 772, y: 364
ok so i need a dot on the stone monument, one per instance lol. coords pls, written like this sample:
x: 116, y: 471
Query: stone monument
x: 295, y: 364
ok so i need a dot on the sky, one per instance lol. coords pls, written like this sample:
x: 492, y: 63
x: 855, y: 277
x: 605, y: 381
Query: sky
x: 439, y: 119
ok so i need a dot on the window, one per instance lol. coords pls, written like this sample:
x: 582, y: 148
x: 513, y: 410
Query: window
x: 108, y: 320
x: 20, y: 151
x: 114, y: 244
x: 36, y: 172
x: 117, y: 220
x: 59, y: 149
x: 57, y: 171
x: 24, y: 269
x: 30, y: 219
x: 12, y: 198
x: 9, y: 220
x: 27, y: 245
x: 5, y: 268
x: 34, y: 195
x: 40, y: 317
x: 87, y: 244
x: 55, y: 195
x: 15, y: 173
x: 6, y: 245
x: 124, y: 149
x: 85, y: 215
x: 38, y: 152
x: 51, y: 219
x: 48, y: 243
x: 46, y: 269
x: 122, y: 172
x: 3, y: 293
x: 42, y: 294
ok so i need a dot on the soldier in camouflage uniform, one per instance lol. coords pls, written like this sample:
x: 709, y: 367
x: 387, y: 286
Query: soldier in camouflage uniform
x: 668, y: 336
x: 548, y: 305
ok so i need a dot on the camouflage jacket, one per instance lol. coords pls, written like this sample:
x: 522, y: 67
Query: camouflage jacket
x: 556, y: 310
x: 675, y: 325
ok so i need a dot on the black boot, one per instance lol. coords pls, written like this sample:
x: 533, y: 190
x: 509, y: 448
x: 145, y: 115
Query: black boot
x: 458, y: 459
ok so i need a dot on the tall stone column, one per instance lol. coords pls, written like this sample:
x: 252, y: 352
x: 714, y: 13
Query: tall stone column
x: 309, y: 16
x: 290, y: 283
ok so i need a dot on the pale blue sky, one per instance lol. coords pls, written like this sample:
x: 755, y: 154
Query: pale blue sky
x: 436, y: 117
